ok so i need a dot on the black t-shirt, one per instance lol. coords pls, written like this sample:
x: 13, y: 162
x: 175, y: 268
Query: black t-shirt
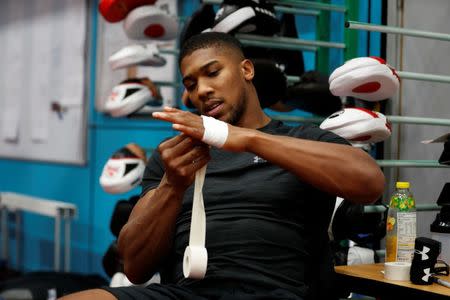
x: 264, y: 227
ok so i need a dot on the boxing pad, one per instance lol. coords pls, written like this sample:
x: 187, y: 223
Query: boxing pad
x: 201, y: 19
x: 120, y: 279
x: 124, y: 170
x: 358, y: 125
x: 365, y: 78
x: 270, y: 82
x: 119, y: 218
x: 246, y: 16
x: 291, y: 61
x: 112, y: 262
x: 116, y: 10
x: 137, y: 55
x: 444, y: 159
x: 130, y: 96
x: 312, y: 94
x: 150, y: 22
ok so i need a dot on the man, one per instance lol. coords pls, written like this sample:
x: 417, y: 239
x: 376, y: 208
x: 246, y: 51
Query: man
x: 269, y: 192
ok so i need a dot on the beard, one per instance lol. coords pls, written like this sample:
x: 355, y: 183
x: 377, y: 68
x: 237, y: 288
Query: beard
x: 237, y: 112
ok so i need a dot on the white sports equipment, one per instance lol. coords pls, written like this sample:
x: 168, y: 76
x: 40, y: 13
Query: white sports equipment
x: 150, y: 22
x: 358, y: 125
x: 122, y: 172
x: 365, y: 78
x: 137, y: 55
x: 127, y: 98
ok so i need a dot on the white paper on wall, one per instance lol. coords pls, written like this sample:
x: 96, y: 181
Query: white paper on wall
x: 47, y: 59
x: 14, y: 69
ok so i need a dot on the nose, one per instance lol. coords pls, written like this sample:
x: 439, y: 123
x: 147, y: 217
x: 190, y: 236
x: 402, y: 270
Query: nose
x: 204, y: 89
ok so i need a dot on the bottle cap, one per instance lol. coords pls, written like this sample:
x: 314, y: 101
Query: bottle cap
x: 402, y: 185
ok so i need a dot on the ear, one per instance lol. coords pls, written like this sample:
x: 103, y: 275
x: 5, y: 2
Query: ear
x: 248, y: 70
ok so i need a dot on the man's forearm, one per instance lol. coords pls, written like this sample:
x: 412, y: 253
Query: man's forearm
x: 148, y: 235
x: 334, y: 168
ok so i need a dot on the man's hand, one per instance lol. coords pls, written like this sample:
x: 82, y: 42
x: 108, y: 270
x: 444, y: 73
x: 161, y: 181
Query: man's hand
x: 182, y: 157
x: 192, y: 125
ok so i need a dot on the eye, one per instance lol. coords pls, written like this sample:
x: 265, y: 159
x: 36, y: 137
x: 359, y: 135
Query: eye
x: 189, y: 86
x: 213, y: 73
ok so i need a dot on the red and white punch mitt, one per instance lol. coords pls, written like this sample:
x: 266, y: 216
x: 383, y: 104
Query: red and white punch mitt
x: 116, y: 10
x: 365, y: 78
x: 358, y: 125
x: 130, y: 96
x: 124, y: 170
x: 137, y: 55
x: 150, y: 22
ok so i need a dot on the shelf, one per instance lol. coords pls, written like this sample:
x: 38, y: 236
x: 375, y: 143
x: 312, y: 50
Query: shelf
x: 275, y: 42
x: 397, y: 30
x: 392, y: 119
x: 286, y: 42
x: 280, y: 8
x: 411, y: 163
x: 424, y: 77
x: 311, y: 4
x: 402, y: 74
x: 368, y: 209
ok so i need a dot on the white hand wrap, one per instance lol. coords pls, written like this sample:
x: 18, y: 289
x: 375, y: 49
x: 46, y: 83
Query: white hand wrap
x: 216, y: 132
x: 195, y: 259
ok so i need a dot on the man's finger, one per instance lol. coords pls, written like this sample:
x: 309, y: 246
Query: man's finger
x: 173, y: 141
x: 194, y: 132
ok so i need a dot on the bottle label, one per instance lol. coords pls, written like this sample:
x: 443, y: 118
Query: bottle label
x: 402, y: 204
x: 406, y: 235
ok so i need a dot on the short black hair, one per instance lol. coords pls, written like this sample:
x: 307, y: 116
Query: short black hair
x: 210, y: 39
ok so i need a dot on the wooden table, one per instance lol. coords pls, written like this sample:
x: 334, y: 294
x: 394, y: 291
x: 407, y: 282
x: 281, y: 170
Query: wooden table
x: 368, y: 280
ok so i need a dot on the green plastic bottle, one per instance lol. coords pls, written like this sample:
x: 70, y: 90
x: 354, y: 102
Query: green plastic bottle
x: 401, y: 225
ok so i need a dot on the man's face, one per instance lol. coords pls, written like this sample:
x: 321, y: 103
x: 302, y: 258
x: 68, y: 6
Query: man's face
x: 215, y: 82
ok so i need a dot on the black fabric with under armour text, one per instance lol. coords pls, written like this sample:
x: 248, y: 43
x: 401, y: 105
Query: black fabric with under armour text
x: 265, y: 227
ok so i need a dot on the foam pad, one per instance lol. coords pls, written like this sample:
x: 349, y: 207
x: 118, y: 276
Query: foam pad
x: 246, y: 16
x: 358, y: 125
x: 119, y: 218
x: 137, y: 55
x: 201, y: 19
x: 123, y: 171
x: 444, y: 159
x: 365, y: 78
x: 150, y: 22
x: 312, y: 94
x: 112, y: 262
x: 116, y: 10
x: 270, y: 82
x: 130, y: 96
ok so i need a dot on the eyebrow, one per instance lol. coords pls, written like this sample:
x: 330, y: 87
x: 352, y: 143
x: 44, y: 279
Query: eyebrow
x: 202, y: 68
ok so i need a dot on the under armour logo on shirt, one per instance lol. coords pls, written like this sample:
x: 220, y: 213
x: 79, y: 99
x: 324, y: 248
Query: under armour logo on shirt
x: 258, y: 160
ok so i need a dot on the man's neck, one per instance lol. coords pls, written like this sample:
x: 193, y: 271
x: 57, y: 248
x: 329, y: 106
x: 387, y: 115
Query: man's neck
x: 254, y: 117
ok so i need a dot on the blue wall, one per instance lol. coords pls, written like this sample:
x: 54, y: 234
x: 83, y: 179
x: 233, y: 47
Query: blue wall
x: 79, y: 184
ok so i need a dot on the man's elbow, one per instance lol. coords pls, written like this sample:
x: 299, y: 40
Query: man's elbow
x: 135, y: 273
x: 374, y: 187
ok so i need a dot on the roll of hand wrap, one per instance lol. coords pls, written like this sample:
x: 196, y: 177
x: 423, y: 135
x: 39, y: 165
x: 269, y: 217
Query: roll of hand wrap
x: 397, y: 270
x: 195, y: 259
